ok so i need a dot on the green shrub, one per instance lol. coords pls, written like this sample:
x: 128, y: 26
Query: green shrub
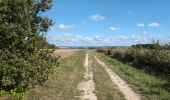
x: 25, y: 72
x: 22, y: 36
x: 153, y: 60
x: 117, y: 54
x: 128, y: 55
x: 17, y: 93
x: 102, y: 50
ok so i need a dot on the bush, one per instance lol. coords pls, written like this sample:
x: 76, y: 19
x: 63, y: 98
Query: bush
x: 128, y: 55
x: 25, y: 72
x: 158, y: 61
x: 22, y: 36
x: 117, y: 54
x: 153, y: 60
x: 102, y: 50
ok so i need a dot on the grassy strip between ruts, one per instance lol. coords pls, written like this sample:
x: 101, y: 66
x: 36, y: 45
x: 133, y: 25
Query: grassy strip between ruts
x: 150, y: 87
x: 104, y: 89
x: 62, y: 84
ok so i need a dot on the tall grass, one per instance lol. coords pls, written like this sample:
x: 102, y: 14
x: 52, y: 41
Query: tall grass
x: 104, y: 89
x: 153, y: 60
x: 62, y: 84
x: 149, y: 86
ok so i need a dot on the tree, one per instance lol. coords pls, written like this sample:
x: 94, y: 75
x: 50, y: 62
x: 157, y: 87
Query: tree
x: 22, y: 30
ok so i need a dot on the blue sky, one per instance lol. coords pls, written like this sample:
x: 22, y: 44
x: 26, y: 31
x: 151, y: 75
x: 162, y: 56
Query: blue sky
x: 108, y: 22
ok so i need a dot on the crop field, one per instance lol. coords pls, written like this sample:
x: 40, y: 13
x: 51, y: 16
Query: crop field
x: 65, y: 52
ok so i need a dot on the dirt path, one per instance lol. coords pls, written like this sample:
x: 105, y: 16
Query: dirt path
x: 120, y: 83
x: 87, y: 86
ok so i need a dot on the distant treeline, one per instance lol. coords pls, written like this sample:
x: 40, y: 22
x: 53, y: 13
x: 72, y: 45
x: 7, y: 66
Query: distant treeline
x: 91, y: 47
x: 52, y: 46
x: 152, y: 57
x: 152, y: 46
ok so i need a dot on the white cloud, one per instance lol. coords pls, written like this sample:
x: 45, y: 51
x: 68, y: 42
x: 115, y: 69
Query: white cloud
x: 64, y: 26
x: 88, y: 38
x: 70, y: 37
x: 114, y: 29
x: 120, y: 38
x: 133, y: 36
x: 154, y: 25
x: 141, y: 25
x: 77, y: 37
x: 67, y: 37
x: 97, y: 17
x: 74, y: 38
x: 145, y: 33
x: 98, y: 38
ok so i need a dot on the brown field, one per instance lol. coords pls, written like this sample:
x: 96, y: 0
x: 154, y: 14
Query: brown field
x: 63, y: 53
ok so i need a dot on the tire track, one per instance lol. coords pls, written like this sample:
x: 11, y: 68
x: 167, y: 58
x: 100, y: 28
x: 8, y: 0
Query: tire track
x: 120, y: 83
x: 87, y: 86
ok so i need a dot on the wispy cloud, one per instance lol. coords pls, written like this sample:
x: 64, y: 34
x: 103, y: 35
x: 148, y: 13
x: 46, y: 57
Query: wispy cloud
x: 97, y: 17
x: 154, y: 25
x: 99, y: 38
x: 120, y: 37
x: 67, y: 37
x: 70, y: 37
x: 88, y: 38
x: 114, y: 29
x: 140, y: 25
x: 78, y: 37
x: 118, y: 40
x: 133, y: 36
x: 64, y: 26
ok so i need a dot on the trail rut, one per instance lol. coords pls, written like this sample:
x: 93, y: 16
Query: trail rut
x: 119, y: 82
x: 88, y: 85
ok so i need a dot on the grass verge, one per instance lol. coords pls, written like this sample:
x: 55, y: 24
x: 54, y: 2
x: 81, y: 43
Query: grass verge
x: 62, y: 84
x: 151, y: 87
x: 105, y: 89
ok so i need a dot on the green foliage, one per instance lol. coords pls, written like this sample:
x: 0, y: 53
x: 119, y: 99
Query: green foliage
x: 22, y: 34
x: 52, y: 46
x: 156, y: 59
x: 17, y: 93
x: 2, y: 92
x: 153, y: 60
x: 150, y: 86
x: 102, y: 50
x: 62, y: 83
x: 104, y: 89
x: 148, y: 46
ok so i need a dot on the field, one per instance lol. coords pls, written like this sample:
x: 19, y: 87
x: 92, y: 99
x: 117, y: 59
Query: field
x: 63, y: 81
x: 89, y: 75
x: 65, y: 52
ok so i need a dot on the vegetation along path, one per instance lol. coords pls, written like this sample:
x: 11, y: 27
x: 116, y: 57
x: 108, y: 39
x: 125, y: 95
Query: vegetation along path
x: 120, y: 83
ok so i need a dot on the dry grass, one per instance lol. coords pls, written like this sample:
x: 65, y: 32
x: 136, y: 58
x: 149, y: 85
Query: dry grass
x: 63, y: 53
x: 105, y: 89
x: 149, y: 86
x: 62, y: 84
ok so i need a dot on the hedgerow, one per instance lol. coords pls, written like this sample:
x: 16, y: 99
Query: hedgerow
x: 153, y: 60
x: 22, y: 36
